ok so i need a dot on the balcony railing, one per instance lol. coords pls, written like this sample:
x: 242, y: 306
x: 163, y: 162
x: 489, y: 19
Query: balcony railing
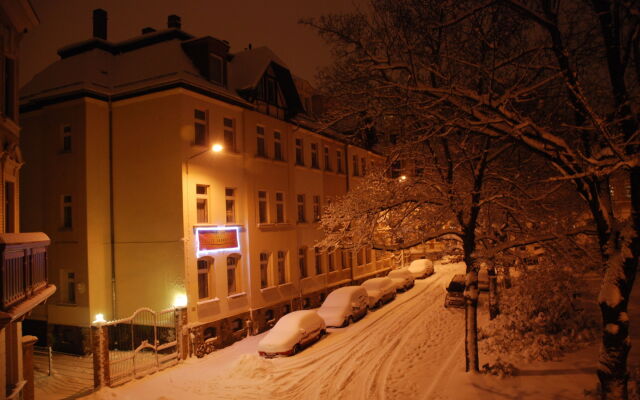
x: 24, y: 266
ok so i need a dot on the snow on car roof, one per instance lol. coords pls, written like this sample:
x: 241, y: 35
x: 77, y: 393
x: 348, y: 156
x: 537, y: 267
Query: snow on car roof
x: 336, y: 298
x: 421, y: 263
x: 296, y: 319
x: 376, y: 283
x: 398, y: 273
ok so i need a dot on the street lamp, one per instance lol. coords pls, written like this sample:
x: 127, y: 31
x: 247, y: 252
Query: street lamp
x: 216, y: 148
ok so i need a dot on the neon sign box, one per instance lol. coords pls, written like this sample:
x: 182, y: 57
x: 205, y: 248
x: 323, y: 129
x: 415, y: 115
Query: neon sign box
x: 210, y: 240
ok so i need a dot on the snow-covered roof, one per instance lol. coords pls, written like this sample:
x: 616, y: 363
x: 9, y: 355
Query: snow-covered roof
x: 151, y: 60
x: 23, y: 238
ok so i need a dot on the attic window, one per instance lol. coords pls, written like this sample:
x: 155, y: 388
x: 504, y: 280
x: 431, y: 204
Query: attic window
x: 272, y: 94
x: 216, y: 69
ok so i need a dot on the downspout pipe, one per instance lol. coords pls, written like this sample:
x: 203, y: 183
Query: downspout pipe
x: 111, y: 214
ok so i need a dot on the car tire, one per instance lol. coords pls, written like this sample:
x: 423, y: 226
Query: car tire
x: 322, y: 333
x: 378, y: 304
x: 345, y: 323
x: 296, y: 349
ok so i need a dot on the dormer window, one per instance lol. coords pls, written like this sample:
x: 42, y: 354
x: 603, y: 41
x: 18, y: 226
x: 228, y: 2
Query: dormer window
x: 216, y: 72
x: 272, y: 94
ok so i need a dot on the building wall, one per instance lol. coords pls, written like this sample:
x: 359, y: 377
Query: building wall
x: 156, y: 170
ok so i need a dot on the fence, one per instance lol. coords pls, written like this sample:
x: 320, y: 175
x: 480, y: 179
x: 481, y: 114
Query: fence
x: 66, y: 375
x: 137, y: 346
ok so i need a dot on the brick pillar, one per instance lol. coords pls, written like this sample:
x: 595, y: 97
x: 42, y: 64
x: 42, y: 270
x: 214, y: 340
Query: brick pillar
x: 27, y: 366
x: 100, y: 350
x: 182, y: 333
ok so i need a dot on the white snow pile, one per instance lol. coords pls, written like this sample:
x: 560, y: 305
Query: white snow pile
x: 540, y: 317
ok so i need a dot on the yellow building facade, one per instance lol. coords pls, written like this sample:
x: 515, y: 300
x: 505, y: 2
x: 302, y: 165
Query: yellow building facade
x: 142, y: 211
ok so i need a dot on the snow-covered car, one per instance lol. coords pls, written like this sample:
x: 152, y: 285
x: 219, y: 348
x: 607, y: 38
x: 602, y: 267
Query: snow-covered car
x: 402, y: 278
x: 379, y: 290
x: 292, y: 333
x: 455, y: 292
x: 422, y: 268
x: 344, y: 306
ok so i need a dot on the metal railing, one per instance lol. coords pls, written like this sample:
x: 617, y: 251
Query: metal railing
x: 23, y: 272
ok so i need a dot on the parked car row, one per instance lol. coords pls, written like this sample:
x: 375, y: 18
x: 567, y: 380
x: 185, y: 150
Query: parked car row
x: 343, y: 306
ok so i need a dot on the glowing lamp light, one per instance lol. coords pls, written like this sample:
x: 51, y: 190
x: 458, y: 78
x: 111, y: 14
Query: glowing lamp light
x: 99, y: 319
x: 217, y: 148
x: 180, y: 301
x: 403, y: 178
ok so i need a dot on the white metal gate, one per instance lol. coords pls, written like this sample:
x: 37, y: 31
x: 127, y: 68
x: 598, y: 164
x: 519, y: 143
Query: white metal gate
x: 141, y: 344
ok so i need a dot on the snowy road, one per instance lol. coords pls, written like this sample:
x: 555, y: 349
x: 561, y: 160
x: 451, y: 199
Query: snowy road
x: 395, y: 352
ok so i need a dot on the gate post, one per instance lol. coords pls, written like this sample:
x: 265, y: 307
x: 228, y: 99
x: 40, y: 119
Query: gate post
x: 100, y: 349
x: 182, y: 334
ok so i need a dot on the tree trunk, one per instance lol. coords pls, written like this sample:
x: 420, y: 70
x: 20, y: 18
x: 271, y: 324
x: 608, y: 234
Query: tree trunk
x: 494, y: 299
x: 507, y: 277
x: 471, y: 322
x: 613, y: 300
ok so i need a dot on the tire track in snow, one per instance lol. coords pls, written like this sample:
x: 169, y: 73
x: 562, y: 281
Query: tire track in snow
x: 364, y: 361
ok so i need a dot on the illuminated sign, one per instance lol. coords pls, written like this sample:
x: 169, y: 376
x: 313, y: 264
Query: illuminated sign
x: 214, y: 239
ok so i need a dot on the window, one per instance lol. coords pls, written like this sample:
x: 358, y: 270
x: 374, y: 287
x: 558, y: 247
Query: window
x: 282, y: 267
x: 9, y: 87
x: 202, y: 205
x: 395, y: 169
x: 216, y: 73
x: 262, y: 207
x: 69, y: 287
x: 316, y: 208
x: 355, y: 166
x: 363, y: 163
x: 302, y: 262
x: 419, y: 167
x: 314, y: 156
x: 360, y: 257
x: 203, y: 278
x: 200, y: 128
x: 349, y: 256
x: 229, y: 134
x: 299, y: 152
x: 236, y: 325
x: 318, y: 260
x: 210, y: 333
x: 66, y: 139
x: 261, y: 149
x: 331, y: 261
x: 339, y: 161
x: 277, y: 146
x: 67, y: 214
x: 279, y: 208
x: 301, y: 208
x: 367, y: 255
x: 343, y: 259
x: 327, y: 159
x: 264, y: 270
x: 230, y: 204
x: 232, y: 275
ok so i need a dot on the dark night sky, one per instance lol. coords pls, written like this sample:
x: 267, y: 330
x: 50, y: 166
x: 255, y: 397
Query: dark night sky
x: 271, y: 23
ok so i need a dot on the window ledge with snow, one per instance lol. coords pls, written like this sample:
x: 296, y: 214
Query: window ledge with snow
x: 208, y: 301
x: 268, y: 289
x: 235, y: 295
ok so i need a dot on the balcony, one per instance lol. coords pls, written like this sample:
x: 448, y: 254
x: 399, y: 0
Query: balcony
x: 24, y: 269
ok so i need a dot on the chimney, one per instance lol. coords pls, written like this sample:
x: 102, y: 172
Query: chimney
x: 173, y: 21
x: 100, y: 24
x: 148, y: 29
